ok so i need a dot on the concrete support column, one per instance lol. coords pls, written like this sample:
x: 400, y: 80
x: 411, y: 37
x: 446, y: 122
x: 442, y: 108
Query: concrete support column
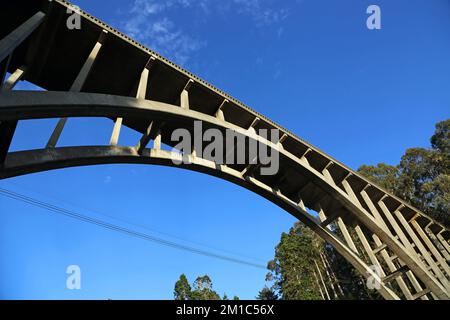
x: 322, y: 281
x: 219, y: 113
x: 77, y: 86
x: 9, y: 43
x: 14, y: 78
x: 7, y: 129
x: 184, y: 97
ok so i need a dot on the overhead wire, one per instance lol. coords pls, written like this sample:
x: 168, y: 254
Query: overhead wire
x: 78, y: 216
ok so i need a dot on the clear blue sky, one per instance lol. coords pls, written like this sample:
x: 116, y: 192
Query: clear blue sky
x: 312, y: 66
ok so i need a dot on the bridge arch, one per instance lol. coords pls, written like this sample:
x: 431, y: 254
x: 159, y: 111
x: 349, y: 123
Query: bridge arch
x: 154, y: 97
x: 35, y: 105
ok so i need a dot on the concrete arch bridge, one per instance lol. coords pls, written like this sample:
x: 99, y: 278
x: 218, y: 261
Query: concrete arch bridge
x: 98, y: 72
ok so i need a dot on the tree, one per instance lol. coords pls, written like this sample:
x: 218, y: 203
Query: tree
x: 201, y: 289
x: 384, y: 175
x: 441, y: 138
x: 304, y: 263
x: 422, y: 176
x: 351, y: 282
x: 182, y: 289
x: 267, y: 294
x: 291, y: 272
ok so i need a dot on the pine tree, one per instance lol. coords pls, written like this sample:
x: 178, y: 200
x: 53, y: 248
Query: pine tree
x: 267, y: 294
x: 182, y: 289
x: 293, y: 267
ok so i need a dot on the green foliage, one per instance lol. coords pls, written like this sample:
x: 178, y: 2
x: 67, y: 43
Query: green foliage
x: 422, y: 176
x: 182, y: 289
x: 441, y: 138
x: 301, y: 261
x: 293, y: 267
x: 203, y: 289
x: 384, y: 175
x: 267, y: 294
x: 200, y: 290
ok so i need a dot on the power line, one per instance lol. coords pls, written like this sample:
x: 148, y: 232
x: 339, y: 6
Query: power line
x: 132, y: 224
x: 75, y: 215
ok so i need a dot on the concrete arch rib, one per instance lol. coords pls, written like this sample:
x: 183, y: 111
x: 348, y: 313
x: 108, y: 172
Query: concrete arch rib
x: 32, y: 161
